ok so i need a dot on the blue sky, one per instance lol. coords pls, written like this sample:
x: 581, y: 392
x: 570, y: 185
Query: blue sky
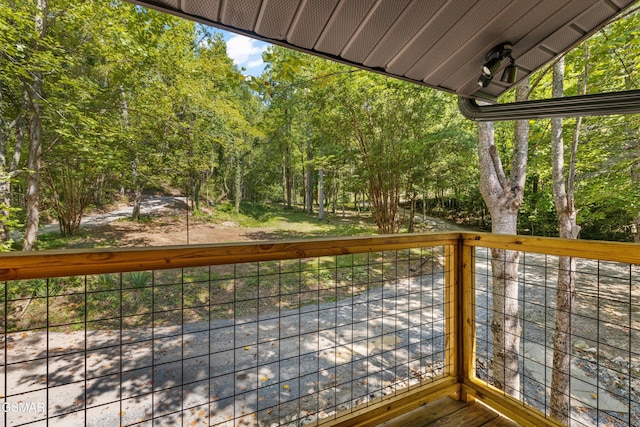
x: 245, y: 52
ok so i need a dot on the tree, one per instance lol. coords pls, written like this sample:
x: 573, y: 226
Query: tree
x: 564, y: 200
x: 36, y: 96
x: 16, y: 26
x: 391, y: 136
x: 503, y: 196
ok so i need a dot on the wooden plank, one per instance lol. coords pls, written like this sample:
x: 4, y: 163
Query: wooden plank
x: 501, y: 422
x: 606, y: 251
x: 21, y: 265
x: 516, y: 410
x: 426, y: 414
x: 472, y: 415
x: 385, y: 409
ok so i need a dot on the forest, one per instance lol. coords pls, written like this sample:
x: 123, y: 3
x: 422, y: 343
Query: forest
x: 103, y: 100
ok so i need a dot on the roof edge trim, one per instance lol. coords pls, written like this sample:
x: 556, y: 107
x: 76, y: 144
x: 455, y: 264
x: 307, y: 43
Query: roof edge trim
x: 601, y: 104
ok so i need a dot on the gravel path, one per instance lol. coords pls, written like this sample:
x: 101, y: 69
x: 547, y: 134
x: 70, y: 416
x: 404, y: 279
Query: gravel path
x: 287, y: 368
x: 605, y: 384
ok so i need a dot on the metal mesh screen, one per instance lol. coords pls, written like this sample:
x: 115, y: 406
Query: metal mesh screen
x: 286, y: 342
x: 605, y: 332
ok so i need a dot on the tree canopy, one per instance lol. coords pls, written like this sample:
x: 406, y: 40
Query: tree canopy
x: 100, y: 100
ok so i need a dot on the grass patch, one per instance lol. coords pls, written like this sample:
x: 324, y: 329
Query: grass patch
x: 289, y: 223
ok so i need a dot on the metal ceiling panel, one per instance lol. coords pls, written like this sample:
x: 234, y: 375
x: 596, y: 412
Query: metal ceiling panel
x: 373, y: 28
x: 474, y: 21
x: 447, y: 73
x: 239, y: 13
x: 406, y: 27
x: 275, y: 18
x: 340, y: 28
x: 310, y: 22
x: 207, y: 9
x: 438, y: 43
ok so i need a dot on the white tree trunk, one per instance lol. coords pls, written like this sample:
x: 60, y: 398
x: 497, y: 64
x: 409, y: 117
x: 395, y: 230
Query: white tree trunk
x: 563, y: 196
x: 503, y: 196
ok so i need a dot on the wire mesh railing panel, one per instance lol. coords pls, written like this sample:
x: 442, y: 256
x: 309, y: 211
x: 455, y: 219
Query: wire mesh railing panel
x: 287, y: 342
x: 603, y: 381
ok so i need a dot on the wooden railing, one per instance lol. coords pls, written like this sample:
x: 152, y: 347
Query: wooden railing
x: 21, y: 265
x: 461, y: 376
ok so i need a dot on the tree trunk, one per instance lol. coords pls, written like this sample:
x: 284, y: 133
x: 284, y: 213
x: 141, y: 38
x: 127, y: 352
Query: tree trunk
x: 286, y: 198
x: 412, y: 213
x: 32, y: 220
x: 503, y: 197
x: 237, y: 181
x: 336, y: 193
x: 308, y: 180
x: 288, y: 178
x: 197, y: 187
x: 137, y: 192
x: 7, y: 173
x: 564, y: 200
x: 294, y: 191
x: 33, y: 176
x: 424, y: 207
x: 321, y: 195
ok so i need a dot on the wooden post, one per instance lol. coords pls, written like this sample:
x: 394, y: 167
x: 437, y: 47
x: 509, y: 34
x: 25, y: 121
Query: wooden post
x: 451, y: 317
x: 468, y: 315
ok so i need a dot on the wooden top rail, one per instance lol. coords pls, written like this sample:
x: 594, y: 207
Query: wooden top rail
x: 59, y: 263
x: 32, y: 265
x: 589, y: 249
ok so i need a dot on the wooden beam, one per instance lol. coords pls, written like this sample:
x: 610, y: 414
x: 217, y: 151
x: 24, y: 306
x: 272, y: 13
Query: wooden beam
x: 591, y: 249
x: 59, y: 263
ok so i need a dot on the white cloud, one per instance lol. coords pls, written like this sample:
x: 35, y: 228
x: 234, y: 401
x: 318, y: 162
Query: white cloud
x: 246, y: 52
x: 256, y: 63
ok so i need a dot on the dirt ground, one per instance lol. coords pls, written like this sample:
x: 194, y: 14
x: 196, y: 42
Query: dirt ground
x: 171, y: 227
x: 167, y: 231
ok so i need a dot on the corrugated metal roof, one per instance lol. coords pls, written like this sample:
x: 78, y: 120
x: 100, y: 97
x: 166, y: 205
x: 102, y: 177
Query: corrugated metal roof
x: 437, y: 43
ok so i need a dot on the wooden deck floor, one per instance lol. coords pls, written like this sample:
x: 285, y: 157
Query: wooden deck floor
x: 448, y: 413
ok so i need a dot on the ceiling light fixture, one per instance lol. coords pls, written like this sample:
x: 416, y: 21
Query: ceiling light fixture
x: 510, y: 73
x: 493, y: 62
